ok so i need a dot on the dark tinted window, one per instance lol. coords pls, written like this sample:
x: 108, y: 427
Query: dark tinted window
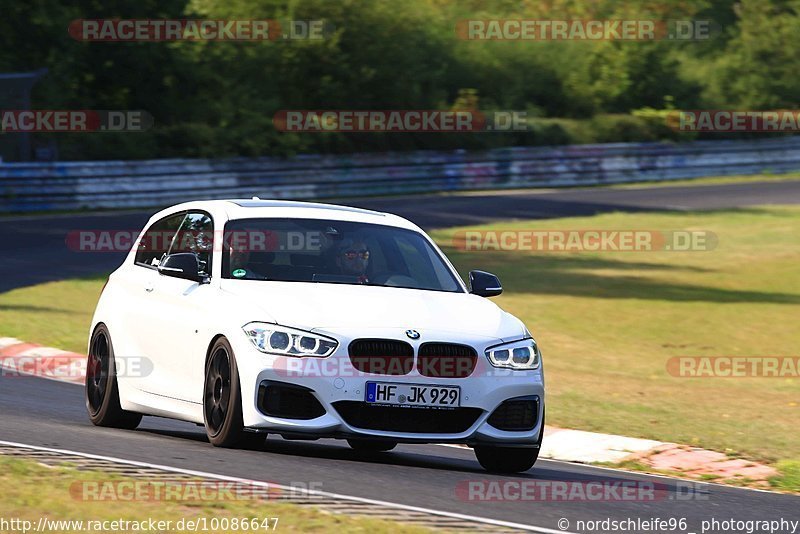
x: 335, y: 252
x: 196, y: 235
x: 156, y: 240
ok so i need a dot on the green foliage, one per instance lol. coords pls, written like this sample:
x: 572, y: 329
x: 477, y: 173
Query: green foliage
x: 759, y: 67
x: 218, y: 98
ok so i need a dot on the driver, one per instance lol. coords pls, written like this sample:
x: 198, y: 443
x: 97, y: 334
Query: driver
x: 352, y: 259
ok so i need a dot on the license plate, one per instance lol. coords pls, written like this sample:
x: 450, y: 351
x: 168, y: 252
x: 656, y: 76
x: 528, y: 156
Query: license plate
x: 413, y: 395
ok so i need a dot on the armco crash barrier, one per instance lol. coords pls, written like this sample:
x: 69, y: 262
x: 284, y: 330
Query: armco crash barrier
x: 146, y: 183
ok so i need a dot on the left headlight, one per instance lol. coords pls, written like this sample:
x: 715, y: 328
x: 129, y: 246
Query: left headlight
x: 521, y: 355
x: 285, y: 341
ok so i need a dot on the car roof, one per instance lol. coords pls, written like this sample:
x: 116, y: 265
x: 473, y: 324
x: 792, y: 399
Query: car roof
x: 258, y: 203
x: 272, y: 208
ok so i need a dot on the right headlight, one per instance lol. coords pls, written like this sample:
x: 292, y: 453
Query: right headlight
x: 522, y: 355
x: 285, y: 341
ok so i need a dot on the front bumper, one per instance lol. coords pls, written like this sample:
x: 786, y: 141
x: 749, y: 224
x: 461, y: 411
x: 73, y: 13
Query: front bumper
x: 340, y: 389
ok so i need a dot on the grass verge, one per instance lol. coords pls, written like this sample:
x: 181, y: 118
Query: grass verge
x: 789, y: 477
x: 608, y: 322
x: 55, y: 314
x: 713, y: 180
x: 32, y: 491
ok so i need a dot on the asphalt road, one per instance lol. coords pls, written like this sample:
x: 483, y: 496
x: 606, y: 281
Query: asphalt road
x: 40, y: 412
x: 34, y: 249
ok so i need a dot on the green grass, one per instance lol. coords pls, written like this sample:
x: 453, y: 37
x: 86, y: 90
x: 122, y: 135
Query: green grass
x: 714, y: 180
x: 608, y: 323
x: 789, y: 478
x: 31, y: 491
x: 709, y: 180
x: 55, y: 314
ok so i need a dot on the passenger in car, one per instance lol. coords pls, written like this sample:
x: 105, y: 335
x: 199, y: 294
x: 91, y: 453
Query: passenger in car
x: 352, y: 259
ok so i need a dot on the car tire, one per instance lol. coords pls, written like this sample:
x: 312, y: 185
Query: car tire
x: 252, y: 440
x: 506, y: 459
x: 509, y: 459
x: 222, y: 399
x: 101, y: 391
x: 368, y: 445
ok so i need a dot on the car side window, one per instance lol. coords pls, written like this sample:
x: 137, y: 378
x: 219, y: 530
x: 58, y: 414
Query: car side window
x: 196, y: 235
x: 156, y: 240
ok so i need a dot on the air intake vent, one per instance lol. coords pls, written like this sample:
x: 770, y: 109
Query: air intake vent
x: 288, y: 401
x: 516, y: 414
x: 407, y: 419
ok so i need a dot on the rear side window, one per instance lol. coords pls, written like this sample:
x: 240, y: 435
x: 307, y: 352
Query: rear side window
x: 156, y: 240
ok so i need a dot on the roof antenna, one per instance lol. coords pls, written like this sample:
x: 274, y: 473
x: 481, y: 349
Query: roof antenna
x: 255, y: 198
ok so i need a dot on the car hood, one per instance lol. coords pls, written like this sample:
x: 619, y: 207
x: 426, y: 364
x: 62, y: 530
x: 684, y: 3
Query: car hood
x: 340, y: 306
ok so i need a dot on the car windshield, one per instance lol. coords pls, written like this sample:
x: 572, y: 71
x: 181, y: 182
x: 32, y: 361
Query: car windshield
x: 334, y: 252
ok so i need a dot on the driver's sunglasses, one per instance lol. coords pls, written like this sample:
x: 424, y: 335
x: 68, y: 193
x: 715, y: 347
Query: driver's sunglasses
x: 352, y: 254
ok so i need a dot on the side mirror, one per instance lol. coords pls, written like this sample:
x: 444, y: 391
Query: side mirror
x: 484, y: 284
x: 181, y: 265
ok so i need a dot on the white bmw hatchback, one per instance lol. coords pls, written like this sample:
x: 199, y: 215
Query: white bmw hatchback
x: 308, y: 321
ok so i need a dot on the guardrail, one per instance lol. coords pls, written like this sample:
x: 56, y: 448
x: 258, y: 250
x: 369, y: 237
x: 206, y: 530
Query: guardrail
x: 134, y: 184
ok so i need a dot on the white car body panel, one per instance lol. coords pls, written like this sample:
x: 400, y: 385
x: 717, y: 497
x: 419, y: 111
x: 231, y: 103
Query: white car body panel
x: 173, y: 322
